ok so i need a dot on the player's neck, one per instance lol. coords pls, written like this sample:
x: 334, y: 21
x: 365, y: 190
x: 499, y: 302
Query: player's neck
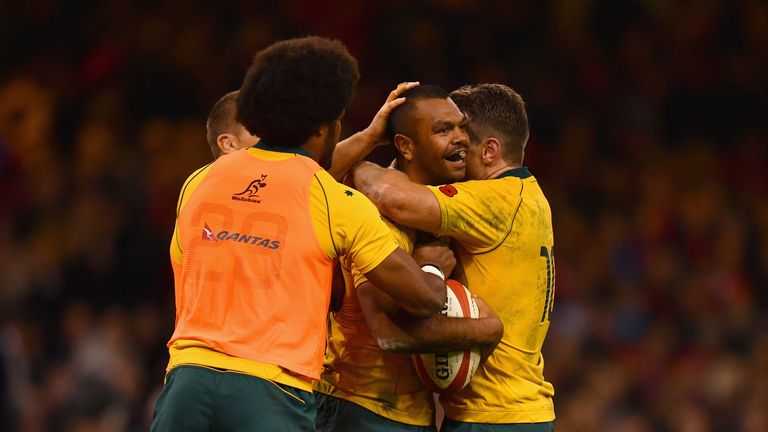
x: 413, y: 173
x: 497, y: 170
x: 314, y: 148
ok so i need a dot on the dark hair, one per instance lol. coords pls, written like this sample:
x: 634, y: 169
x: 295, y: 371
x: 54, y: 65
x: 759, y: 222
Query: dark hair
x: 293, y: 87
x: 401, y: 118
x: 495, y: 109
x: 221, y: 120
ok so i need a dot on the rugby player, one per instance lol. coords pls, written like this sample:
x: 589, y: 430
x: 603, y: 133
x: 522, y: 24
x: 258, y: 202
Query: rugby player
x: 501, y: 223
x: 256, y: 236
x: 368, y: 383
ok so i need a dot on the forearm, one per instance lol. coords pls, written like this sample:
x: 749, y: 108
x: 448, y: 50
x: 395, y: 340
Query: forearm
x: 397, y: 197
x: 369, y: 179
x: 397, y: 331
x: 349, y: 152
x: 441, y: 333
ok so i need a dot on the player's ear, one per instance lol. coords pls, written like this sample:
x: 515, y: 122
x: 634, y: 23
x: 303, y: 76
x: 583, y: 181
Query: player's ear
x: 227, y: 143
x: 404, y: 146
x: 491, y: 150
x: 322, y: 130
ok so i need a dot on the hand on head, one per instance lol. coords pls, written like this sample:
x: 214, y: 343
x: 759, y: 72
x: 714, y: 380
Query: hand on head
x: 378, y: 127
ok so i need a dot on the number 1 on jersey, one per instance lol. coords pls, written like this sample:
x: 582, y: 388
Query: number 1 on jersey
x: 549, y: 297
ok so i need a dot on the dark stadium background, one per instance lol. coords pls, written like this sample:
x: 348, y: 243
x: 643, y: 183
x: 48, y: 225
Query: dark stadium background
x: 649, y: 123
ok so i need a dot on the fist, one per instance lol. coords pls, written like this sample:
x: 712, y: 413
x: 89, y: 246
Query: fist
x: 436, y: 252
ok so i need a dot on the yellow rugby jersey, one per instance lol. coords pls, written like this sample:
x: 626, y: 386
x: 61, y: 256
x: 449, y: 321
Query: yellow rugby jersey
x: 503, y: 232
x: 356, y: 370
x: 340, y: 215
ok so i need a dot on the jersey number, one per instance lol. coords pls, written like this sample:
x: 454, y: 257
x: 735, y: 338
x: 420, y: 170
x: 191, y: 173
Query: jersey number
x: 550, y: 295
x: 272, y: 225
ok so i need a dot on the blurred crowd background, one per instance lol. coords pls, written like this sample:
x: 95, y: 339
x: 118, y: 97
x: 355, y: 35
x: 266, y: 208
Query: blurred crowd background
x: 649, y: 136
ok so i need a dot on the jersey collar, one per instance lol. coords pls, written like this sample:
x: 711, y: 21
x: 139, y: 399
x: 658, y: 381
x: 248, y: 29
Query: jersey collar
x: 296, y: 150
x: 521, y: 172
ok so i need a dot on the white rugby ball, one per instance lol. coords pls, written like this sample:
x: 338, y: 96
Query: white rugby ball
x: 447, y: 372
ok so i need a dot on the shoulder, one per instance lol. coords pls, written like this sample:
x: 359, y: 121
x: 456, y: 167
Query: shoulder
x: 197, y: 174
x: 338, y: 193
x: 191, y: 183
x: 476, y: 190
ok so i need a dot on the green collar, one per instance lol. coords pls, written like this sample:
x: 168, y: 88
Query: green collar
x: 296, y: 150
x: 521, y: 172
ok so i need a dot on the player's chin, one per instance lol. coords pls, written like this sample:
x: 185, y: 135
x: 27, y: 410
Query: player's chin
x: 455, y: 171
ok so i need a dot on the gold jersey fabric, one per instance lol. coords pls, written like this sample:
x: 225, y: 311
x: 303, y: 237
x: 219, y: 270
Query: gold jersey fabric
x: 347, y: 225
x: 356, y: 370
x: 503, y: 234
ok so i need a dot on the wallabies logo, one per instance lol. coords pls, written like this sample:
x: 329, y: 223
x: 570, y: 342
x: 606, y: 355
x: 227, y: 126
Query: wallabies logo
x: 250, y: 192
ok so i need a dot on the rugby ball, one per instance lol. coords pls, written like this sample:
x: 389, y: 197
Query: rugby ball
x: 447, y: 372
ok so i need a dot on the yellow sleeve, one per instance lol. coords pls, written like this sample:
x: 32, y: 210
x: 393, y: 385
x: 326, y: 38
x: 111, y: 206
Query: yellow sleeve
x: 190, y: 184
x: 479, y: 213
x: 348, y: 224
x: 177, y: 255
x: 404, y: 237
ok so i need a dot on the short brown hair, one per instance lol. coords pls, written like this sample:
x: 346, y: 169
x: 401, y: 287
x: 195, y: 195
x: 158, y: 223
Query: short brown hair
x: 495, y: 109
x: 293, y: 87
x: 221, y: 120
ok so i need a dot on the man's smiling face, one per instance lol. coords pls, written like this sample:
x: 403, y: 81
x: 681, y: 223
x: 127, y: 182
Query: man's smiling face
x: 440, y: 140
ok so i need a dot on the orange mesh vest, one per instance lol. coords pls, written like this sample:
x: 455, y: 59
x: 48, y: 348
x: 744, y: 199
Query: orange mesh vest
x: 254, y: 282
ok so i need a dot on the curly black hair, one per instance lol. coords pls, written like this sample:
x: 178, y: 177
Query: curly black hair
x: 293, y: 87
x: 495, y: 109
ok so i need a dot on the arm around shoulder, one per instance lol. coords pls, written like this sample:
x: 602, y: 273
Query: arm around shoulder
x: 397, y: 197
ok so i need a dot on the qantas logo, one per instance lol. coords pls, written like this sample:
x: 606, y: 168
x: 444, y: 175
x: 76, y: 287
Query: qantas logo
x: 208, y: 234
x: 245, y: 239
x: 250, y: 194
